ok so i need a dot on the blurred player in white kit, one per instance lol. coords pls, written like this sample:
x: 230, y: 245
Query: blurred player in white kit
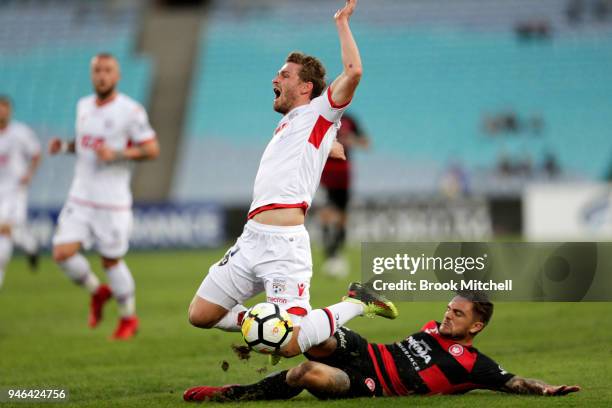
x: 111, y: 130
x: 19, y: 159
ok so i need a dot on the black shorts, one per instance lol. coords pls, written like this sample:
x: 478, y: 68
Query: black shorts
x: 352, y: 357
x: 338, y: 198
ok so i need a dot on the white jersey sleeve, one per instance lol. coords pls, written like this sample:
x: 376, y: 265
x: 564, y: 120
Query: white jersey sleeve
x: 325, y: 106
x: 139, y: 129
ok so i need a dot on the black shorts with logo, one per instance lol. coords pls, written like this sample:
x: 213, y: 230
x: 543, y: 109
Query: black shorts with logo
x: 352, y: 357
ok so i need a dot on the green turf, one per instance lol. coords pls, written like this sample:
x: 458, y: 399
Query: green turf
x: 45, y: 341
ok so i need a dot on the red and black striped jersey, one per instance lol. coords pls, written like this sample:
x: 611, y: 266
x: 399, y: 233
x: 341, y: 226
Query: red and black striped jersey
x: 429, y: 363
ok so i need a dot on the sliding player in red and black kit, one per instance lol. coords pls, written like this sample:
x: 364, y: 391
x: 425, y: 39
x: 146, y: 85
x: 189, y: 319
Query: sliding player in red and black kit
x: 440, y: 359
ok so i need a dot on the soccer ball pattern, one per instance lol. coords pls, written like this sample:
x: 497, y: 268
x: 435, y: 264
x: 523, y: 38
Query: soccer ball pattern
x: 266, y: 328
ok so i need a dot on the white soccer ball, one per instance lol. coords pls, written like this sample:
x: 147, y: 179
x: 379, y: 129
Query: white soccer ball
x: 266, y: 328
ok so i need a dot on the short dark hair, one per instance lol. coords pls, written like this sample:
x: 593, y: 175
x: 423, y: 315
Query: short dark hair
x: 105, y: 55
x: 481, y: 305
x: 5, y: 100
x: 312, y: 71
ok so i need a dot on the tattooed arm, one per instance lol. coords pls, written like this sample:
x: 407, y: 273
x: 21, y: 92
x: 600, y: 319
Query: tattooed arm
x: 519, y: 385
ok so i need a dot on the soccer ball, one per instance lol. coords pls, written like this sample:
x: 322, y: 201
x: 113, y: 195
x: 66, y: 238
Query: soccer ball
x: 266, y: 328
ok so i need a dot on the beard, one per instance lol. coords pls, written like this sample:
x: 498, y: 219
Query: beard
x: 284, y: 103
x: 104, y: 93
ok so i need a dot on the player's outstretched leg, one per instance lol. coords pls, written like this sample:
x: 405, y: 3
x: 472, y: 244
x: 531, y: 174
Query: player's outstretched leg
x: 319, y: 379
x: 321, y: 324
x: 273, y: 387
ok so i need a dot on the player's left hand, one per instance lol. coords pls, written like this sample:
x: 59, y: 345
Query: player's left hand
x: 346, y: 11
x: 557, y: 390
x: 106, y: 154
x: 337, y: 151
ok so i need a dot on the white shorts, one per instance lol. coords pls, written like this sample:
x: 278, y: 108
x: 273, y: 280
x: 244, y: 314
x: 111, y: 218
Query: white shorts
x: 267, y: 258
x: 108, y: 231
x: 14, y: 207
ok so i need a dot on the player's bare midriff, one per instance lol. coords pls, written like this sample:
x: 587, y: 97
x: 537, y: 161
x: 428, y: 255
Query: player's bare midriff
x: 283, y: 217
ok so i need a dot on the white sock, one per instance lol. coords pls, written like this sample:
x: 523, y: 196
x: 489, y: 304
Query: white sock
x: 229, y: 322
x: 6, y: 250
x: 321, y: 324
x: 122, y: 285
x: 345, y: 311
x: 77, y: 268
x: 25, y: 240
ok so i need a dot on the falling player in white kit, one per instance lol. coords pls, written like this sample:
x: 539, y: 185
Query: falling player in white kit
x: 273, y: 253
x: 19, y: 159
x: 111, y: 130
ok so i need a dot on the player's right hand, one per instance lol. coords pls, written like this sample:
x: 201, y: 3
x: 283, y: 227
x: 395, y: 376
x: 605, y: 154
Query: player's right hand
x: 55, y: 145
x: 346, y: 11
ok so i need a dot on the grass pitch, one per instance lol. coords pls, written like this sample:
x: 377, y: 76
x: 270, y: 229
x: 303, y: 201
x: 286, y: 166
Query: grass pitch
x: 45, y: 341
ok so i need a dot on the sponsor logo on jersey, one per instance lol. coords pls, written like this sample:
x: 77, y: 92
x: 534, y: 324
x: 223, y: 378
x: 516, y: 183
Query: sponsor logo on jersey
x: 278, y: 286
x: 456, y: 350
x: 276, y: 300
x: 419, y: 348
x: 92, y: 142
x: 407, y: 354
x: 341, y: 338
x: 370, y: 383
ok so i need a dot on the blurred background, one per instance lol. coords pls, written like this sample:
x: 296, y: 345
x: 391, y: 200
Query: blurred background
x: 486, y: 118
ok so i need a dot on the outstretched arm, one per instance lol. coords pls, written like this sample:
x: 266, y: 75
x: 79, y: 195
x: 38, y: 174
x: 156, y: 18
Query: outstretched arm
x: 519, y: 385
x: 343, y: 87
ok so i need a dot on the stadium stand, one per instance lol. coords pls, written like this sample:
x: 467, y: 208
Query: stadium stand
x: 455, y: 64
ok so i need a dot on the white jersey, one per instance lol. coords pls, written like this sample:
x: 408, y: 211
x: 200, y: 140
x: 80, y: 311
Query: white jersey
x: 18, y: 144
x: 116, y: 124
x: 291, y: 166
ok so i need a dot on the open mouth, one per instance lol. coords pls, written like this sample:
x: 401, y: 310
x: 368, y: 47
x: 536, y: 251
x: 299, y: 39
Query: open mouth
x: 277, y: 93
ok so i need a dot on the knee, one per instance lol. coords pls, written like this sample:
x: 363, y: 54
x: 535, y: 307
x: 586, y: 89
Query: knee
x: 108, y: 263
x: 302, y: 375
x: 198, y: 317
x: 61, y: 254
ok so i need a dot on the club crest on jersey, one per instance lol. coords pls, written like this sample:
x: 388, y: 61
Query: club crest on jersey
x: 456, y: 350
x: 278, y: 286
x: 419, y: 348
x: 281, y: 127
x: 370, y: 383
